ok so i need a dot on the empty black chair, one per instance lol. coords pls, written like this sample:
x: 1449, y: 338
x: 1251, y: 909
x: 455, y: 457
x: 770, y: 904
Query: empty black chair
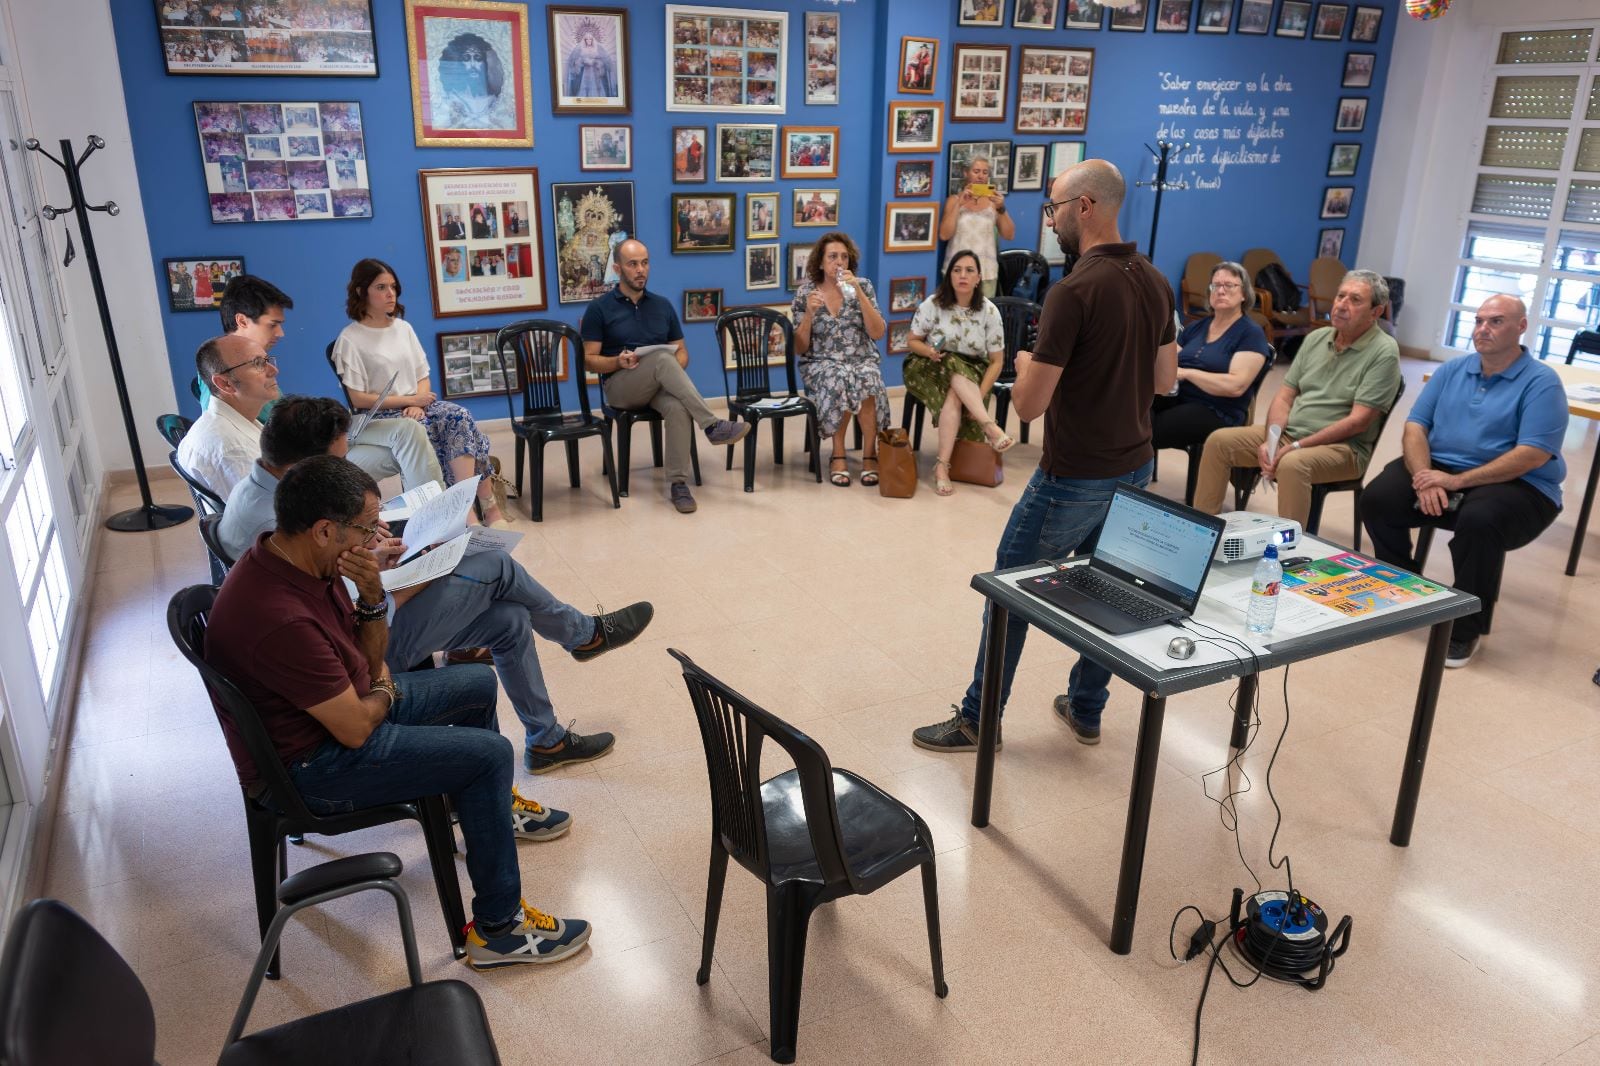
x: 811, y: 834
x: 173, y: 428
x: 279, y: 811
x: 1024, y: 274
x: 221, y: 562
x: 1586, y: 342
x: 541, y: 351
x: 747, y: 336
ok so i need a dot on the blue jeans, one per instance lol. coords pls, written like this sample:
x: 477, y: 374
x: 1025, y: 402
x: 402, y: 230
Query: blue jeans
x: 414, y: 752
x: 490, y: 601
x: 1056, y: 517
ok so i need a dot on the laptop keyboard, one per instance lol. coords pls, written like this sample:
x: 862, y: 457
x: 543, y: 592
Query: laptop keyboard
x: 1087, y: 581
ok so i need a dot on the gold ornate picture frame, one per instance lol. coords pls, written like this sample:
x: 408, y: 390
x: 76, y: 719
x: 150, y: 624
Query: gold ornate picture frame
x: 470, y: 80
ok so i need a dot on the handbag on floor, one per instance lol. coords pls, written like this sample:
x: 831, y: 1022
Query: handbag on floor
x: 977, y: 464
x: 897, y: 464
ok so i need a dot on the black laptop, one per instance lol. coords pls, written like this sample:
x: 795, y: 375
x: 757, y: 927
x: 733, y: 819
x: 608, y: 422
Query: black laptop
x: 1147, y: 569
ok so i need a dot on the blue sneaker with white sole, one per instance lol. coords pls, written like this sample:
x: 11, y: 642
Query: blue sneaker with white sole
x: 537, y: 938
x: 534, y: 821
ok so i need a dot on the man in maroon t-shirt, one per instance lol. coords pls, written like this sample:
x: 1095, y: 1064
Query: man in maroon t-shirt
x: 285, y: 631
x: 1106, y: 348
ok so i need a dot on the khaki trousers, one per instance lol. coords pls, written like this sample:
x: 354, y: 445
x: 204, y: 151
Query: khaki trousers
x: 660, y: 383
x: 1298, y: 470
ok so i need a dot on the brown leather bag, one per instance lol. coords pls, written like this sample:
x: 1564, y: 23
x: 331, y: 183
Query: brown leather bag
x: 977, y: 464
x: 897, y: 464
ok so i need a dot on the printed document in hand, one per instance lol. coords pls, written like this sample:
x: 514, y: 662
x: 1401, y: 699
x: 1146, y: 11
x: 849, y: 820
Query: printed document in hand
x: 437, y: 563
x: 441, y: 518
x: 488, y: 540
x: 403, y: 506
x: 670, y: 350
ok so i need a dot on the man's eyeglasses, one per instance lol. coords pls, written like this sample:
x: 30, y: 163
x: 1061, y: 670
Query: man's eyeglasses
x: 260, y: 362
x: 1050, y: 208
x: 372, y: 534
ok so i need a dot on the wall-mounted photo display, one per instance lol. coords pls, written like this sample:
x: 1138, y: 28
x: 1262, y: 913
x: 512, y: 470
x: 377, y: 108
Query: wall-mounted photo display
x: 919, y: 64
x: 331, y: 39
x: 1172, y: 16
x: 746, y: 153
x: 726, y: 59
x: 1027, y: 168
x: 1330, y: 22
x: 605, y: 147
x: 981, y: 13
x: 1330, y: 243
x: 197, y: 284
x: 1255, y: 16
x: 1053, y: 89
x: 1358, y: 67
x: 915, y: 127
x: 761, y: 266
x: 822, y: 57
x: 1130, y: 19
x: 1294, y: 18
x: 588, y: 60
x: 1083, y: 15
x: 906, y: 294
x: 472, y: 366
x: 810, y: 151
x: 900, y: 337
x: 964, y: 153
x: 760, y: 216
x: 590, y: 218
x: 1034, y: 14
x: 1364, y: 30
x: 703, y: 222
x: 913, y: 177
x: 1049, y: 245
x: 702, y: 305
x: 816, y: 207
x: 1343, y: 159
x: 689, y: 150
x: 1216, y: 16
x: 489, y: 262
x: 795, y: 261
x: 283, y: 162
x: 1336, y: 201
x: 470, y: 81
x: 910, y: 227
x: 1352, y: 115
x: 777, y: 343
x: 978, y: 87
x: 1064, y: 154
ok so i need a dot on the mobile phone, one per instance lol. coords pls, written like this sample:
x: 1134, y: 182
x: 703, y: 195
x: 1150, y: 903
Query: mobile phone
x: 1451, y: 503
x: 982, y: 189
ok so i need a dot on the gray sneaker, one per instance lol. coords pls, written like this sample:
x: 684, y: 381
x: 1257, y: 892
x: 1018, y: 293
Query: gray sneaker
x: 1086, y: 734
x: 725, y: 432
x: 682, y: 499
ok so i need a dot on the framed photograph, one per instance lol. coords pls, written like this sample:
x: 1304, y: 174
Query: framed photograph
x: 1330, y: 22
x: 283, y: 162
x: 1083, y: 15
x: 702, y: 305
x: 471, y: 366
x: 761, y: 266
x: 1130, y: 19
x: 689, y: 153
x: 915, y: 127
x: 906, y: 294
x: 1255, y: 17
x: 1358, y: 67
x: 810, y: 152
x: 1336, y: 201
x: 919, y: 64
x: 490, y: 263
x: 796, y: 263
x: 1027, y: 168
x: 1330, y: 243
x: 760, y: 216
x: 746, y: 153
x: 913, y: 177
x: 899, y: 337
x: 1294, y: 18
x: 1352, y: 116
x: 1172, y: 16
x: 470, y: 81
x: 1034, y: 14
x: 978, y: 87
x: 1368, y: 20
x: 816, y: 207
x: 1064, y: 154
x: 1049, y: 245
x: 1053, y: 89
x: 1216, y: 16
x: 323, y: 40
x: 197, y: 284
x: 981, y: 13
x: 910, y: 227
x: 703, y: 222
x: 605, y: 147
x: 777, y: 346
x: 1343, y: 159
x: 822, y: 57
x: 588, y: 60
x: 590, y: 218
x: 727, y: 59
x: 964, y: 153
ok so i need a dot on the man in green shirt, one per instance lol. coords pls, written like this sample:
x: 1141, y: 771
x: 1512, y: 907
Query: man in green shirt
x: 1327, y: 411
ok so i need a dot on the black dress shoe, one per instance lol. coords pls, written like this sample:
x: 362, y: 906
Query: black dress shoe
x: 614, y: 630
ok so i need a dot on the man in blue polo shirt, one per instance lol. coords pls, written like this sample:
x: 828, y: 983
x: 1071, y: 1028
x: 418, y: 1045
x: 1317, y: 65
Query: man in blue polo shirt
x: 1481, y: 456
x: 629, y: 318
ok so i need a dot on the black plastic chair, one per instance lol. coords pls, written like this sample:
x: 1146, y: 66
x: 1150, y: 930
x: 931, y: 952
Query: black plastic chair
x: 1020, y: 319
x: 1425, y: 544
x: 1585, y: 342
x: 624, y: 419
x: 205, y: 501
x: 1193, y: 451
x: 749, y: 335
x: 536, y: 351
x: 278, y: 810
x: 56, y: 968
x: 328, y: 353
x: 811, y: 834
x: 173, y: 428
x: 221, y: 563
x: 1024, y: 274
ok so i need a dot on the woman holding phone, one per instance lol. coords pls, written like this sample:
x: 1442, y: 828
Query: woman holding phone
x: 975, y: 220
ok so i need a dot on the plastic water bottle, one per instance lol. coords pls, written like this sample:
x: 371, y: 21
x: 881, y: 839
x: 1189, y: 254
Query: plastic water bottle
x: 1265, y: 584
x: 845, y: 287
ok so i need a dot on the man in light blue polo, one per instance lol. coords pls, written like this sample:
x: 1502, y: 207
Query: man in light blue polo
x: 1481, y: 456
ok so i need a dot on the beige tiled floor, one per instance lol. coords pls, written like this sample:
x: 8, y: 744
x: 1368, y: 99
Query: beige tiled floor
x: 851, y: 615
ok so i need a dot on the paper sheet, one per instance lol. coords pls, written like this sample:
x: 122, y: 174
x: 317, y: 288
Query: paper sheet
x: 441, y: 518
x: 437, y: 563
x: 401, y: 508
x: 1584, y: 393
x: 771, y: 402
x: 480, y: 539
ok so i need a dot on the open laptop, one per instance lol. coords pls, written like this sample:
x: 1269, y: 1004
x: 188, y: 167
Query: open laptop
x: 1147, y: 568
x: 366, y: 416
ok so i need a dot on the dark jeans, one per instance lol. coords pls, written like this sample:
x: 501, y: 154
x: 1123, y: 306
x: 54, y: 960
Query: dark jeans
x: 442, y: 737
x: 1492, y: 520
x: 1055, y: 517
x: 1176, y: 422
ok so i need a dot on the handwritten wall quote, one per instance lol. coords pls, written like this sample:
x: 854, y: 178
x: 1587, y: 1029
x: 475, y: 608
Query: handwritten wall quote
x: 1228, y: 122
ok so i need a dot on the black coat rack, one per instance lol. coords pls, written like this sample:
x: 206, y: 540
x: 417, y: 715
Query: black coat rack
x: 1160, y: 185
x: 148, y: 515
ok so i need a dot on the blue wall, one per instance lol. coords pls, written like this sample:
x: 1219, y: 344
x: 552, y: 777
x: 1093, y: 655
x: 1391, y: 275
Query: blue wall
x: 1275, y: 206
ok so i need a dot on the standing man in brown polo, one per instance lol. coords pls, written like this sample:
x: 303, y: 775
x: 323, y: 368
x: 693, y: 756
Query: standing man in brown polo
x: 1106, y: 348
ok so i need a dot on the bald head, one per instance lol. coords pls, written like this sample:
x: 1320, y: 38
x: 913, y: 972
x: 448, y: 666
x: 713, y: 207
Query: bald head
x: 1497, y: 330
x: 1087, y: 197
x: 632, y: 260
x: 1097, y: 179
x: 227, y: 350
x: 629, y: 249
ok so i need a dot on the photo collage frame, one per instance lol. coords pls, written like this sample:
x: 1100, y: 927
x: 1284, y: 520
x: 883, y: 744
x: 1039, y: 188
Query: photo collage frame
x: 283, y: 162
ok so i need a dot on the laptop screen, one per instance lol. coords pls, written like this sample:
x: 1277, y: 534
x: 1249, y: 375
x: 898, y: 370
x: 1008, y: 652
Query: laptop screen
x: 1158, y: 543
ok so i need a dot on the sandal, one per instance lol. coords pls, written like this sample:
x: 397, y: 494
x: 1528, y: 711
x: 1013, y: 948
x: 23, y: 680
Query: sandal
x: 841, y: 476
x: 869, y: 478
x: 1001, y: 444
x: 941, y: 485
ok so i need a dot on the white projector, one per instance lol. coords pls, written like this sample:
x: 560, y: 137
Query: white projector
x: 1247, y: 535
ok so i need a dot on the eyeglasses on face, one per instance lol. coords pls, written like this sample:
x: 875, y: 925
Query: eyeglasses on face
x: 1226, y: 286
x: 260, y: 362
x: 372, y: 533
x: 1050, y: 208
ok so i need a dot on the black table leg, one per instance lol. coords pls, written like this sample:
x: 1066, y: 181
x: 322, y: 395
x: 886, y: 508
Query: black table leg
x: 1405, y: 805
x: 1241, y: 712
x: 1145, y: 757
x: 994, y: 656
x: 1583, y: 512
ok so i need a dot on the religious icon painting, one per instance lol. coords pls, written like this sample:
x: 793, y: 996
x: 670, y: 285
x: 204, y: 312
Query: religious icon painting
x: 470, y: 82
x: 588, y: 60
x: 590, y: 219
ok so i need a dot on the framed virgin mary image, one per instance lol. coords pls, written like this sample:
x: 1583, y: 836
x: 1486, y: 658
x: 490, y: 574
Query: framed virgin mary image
x: 588, y: 60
